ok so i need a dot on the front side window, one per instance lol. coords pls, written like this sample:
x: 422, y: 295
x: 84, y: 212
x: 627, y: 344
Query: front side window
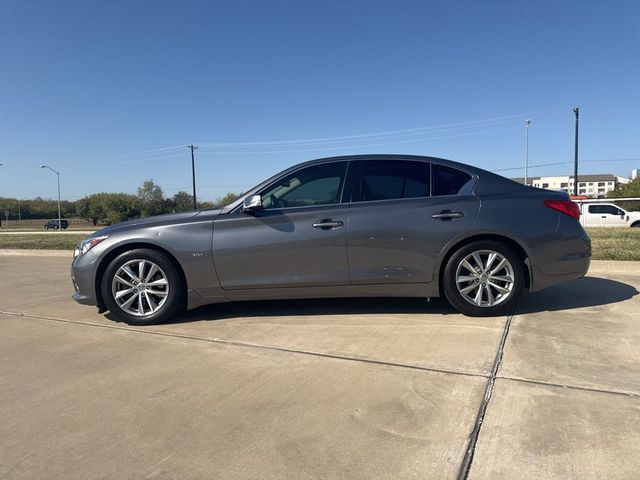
x: 394, y: 179
x: 611, y: 210
x: 448, y: 181
x: 315, y: 185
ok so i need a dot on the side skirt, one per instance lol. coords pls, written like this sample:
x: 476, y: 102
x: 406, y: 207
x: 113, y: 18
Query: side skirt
x: 420, y: 290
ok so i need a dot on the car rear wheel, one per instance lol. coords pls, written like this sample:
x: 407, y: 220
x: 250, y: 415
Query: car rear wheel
x: 143, y: 287
x: 483, y: 279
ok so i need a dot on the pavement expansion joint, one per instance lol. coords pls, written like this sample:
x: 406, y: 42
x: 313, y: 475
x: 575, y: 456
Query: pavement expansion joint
x: 571, y: 387
x: 249, y: 345
x: 475, y: 433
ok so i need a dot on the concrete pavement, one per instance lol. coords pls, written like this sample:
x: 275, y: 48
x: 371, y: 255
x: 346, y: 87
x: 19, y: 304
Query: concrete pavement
x: 319, y: 389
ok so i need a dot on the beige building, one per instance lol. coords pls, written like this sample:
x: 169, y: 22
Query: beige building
x: 595, y: 186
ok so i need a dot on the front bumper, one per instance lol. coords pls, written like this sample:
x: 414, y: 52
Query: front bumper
x: 83, y: 278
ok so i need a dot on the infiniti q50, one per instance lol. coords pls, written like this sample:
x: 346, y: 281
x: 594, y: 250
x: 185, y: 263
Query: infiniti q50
x: 357, y: 226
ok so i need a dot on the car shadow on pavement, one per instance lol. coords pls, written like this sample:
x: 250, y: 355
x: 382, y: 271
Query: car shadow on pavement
x: 582, y: 293
x: 585, y: 292
x: 309, y: 307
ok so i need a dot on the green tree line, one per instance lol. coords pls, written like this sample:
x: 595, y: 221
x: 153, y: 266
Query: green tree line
x: 107, y: 208
x: 627, y: 190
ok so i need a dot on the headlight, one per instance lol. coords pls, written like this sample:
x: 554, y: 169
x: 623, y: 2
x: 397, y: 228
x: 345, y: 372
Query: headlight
x: 85, y: 245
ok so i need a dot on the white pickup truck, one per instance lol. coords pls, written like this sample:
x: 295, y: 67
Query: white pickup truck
x: 607, y: 215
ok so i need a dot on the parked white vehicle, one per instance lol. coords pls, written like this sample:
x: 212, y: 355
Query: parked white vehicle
x: 607, y: 215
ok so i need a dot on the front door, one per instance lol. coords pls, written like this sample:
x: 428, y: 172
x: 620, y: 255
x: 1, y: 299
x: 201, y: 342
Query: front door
x: 298, y: 239
x: 605, y: 215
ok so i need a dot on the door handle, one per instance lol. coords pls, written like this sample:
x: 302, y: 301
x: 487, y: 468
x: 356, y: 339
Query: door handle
x: 328, y: 224
x: 447, y: 215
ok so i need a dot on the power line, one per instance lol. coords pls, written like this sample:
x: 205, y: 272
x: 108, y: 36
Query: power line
x: 604, y: 160
x: 155, y: 150
x: 413, y: 140
x: 378, y: 134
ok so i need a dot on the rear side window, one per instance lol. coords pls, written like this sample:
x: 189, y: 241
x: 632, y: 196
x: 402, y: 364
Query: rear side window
x: 393, y: 179
x: 448, y: 181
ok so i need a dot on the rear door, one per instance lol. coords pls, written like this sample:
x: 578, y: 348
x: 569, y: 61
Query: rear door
x: 402, y: 214
x: 298, y: 239
x: 592, y: 215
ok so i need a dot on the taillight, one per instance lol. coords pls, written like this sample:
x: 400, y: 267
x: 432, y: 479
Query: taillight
x: 564, y: 206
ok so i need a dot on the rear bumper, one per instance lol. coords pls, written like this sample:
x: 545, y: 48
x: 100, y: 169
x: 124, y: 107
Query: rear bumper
x: 566, y: 257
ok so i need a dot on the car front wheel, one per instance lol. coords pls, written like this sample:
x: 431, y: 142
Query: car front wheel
x: 484, y: 278
x: 143, y: 287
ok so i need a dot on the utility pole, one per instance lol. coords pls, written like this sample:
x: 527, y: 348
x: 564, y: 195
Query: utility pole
x: 59, y: 211
x: 576, y: 110
x: 193, y: 175
x: 527, y: 122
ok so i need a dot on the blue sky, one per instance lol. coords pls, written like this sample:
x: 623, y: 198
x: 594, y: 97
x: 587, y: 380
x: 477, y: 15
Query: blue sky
x: 94, y: 89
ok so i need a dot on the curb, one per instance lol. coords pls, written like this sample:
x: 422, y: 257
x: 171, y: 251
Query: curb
x: 46, y: 232
x: 7, y: 252
x: 614, y: 266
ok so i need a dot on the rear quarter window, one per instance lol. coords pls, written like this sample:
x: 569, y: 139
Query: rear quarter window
x: 447, y: 180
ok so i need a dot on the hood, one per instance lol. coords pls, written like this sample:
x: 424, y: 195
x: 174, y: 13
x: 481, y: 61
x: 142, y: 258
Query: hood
x: 158, y: 220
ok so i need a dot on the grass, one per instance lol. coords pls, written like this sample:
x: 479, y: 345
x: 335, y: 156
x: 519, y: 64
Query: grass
x: 41, y: 241
x: 615, y: 243
x: 607, y: 243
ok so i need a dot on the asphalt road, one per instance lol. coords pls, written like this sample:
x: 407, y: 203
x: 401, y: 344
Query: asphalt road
x: 340, y: 389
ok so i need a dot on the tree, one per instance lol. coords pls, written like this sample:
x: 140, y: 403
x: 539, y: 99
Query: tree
x: 226, y: 200
x: 108, y: 208
x: 631, y: 189
x: 182, y: 201
x: 152, y: 199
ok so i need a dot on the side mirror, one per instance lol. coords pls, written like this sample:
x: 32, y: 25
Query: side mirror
x: 252, y: 203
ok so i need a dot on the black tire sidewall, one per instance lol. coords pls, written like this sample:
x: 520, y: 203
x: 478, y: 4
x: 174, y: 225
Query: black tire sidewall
x: 455, y: 297
x: 175, y: 300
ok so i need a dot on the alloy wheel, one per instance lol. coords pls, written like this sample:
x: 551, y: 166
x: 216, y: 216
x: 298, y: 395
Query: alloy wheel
x: 485, y: 278
x: 140, y: 287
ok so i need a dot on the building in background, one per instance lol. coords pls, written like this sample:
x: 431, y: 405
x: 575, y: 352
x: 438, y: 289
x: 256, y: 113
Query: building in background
x: 634, y: 173
x: 592, y: 186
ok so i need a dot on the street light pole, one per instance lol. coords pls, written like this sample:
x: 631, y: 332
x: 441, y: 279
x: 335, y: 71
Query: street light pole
x: 527, y: 122
x: 59, y: 211
x: 193, y: 175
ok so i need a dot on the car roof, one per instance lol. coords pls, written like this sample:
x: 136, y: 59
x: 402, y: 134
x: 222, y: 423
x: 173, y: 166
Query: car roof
x: 491, y: 180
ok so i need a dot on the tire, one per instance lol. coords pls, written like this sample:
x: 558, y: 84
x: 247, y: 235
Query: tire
x: 498, y: 296
x: 157, y: 298
x: 636, y: 225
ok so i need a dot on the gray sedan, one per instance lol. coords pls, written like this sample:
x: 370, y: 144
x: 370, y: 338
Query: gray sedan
x: 357, y: 226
